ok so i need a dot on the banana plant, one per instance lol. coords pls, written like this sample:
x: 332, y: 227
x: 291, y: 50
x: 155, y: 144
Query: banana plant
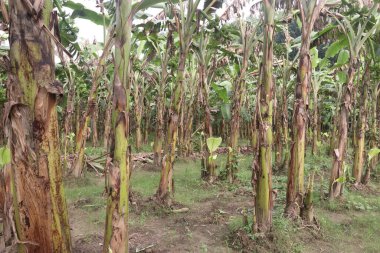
x: 188, y: 108
x: 249, y: 39
x: 138, y: 83
x: 361, y: 124
x: 68, y: 32
x: 309, y: 11
x: 372, y: 117
x: 262, y: 171
x: 36, y: 170
x: 205, y: 50
x: 81, y: 11
x: 365, y: 27
x: 185, y: 26
x: 323, y: 75
x: 118, y: 165
x: 81, y: 135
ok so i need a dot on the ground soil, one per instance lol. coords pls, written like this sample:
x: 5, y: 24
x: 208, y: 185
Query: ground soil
x: 205, y: 227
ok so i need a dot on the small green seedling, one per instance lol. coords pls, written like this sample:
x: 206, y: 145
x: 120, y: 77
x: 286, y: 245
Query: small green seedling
x: 213, y: 144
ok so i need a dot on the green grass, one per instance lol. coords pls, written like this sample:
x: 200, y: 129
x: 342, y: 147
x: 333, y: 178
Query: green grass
x: 321, y: 161
x: 189, y: 188
x: 87, y: 194
x: 84, y: 188
x: 359, y: 201
x: 284, y: 231
x: 368, y: 230
x: 145, y: 182
x: 352, y: 200
x: 359, y: 229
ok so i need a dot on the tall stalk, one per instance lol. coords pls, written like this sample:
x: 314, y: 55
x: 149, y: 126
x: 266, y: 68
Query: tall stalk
x: 309, y: 12
x: 208, y: 172
x: 339, y: 151
x: 116, y: 227
x: 147, y: 120
x: 138, y: 95
x: 361, y: 128
x: 373, y: 131
x: 263, y: 196
x: 314, y: 148
x: 94, y: 125
x: 333, y: 135
x: 69, y: 113
x: 356, y: 39
x: 81, y: 136
x: 277, y: 126
x: 160, y: 101
x: 237, y: 100
x: 108, y: 115
x: 284, y: 130
x: 185, y: 28
x: 189, y: 108
x: 108, y: 111
x: 39, y: 206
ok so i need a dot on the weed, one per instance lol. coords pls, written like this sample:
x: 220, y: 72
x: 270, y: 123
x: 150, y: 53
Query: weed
x: 204, y: 248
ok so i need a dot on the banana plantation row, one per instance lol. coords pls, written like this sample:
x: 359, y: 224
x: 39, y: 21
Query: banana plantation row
x: 284, y: 75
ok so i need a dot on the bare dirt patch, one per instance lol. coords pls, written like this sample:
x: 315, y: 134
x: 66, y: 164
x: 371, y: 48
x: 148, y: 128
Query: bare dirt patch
x: 86, y: 236
x: 204, y: 228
